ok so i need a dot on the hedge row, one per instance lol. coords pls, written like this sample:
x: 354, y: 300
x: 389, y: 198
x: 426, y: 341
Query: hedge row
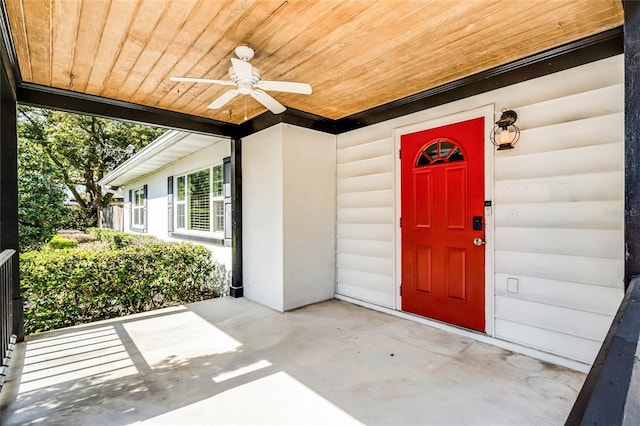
x: 117, y: 239
x: 73, y: 286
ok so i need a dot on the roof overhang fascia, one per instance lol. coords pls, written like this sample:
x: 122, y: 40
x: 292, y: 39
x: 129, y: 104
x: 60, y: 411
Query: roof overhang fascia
x: 165, y: 141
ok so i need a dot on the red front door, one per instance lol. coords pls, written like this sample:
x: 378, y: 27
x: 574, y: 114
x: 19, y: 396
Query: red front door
x: 442, y: 178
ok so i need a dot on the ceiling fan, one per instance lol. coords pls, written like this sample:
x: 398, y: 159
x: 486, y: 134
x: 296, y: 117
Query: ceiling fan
x: 247, y: 81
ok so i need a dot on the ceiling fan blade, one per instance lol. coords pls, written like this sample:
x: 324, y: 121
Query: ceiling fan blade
x: 223, y: 99
x: 243, y: 69
x: 202, y: 80
x: 285, y: 86
x: 266, y: 100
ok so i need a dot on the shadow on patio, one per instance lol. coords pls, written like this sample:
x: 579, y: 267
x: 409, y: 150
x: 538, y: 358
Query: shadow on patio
x: 231, y: 361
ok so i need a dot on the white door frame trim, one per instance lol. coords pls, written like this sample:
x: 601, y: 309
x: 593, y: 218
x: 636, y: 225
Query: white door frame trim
x: 488, y: 112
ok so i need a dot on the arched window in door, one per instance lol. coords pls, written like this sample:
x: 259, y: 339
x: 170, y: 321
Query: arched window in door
x: 438, y: 152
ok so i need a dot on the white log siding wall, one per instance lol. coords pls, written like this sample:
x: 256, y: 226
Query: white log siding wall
x: 365, y: 220
x: 558, y: 210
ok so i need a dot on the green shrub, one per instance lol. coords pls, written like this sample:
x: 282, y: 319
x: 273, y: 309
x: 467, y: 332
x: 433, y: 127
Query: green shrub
x: 116, y: 239
x: 36, y: 234
x: 76, y: 218
x: 59, y: 242
x: 69, y: 287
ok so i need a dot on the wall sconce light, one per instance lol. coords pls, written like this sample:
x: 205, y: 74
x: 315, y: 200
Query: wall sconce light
x: 505, y: 133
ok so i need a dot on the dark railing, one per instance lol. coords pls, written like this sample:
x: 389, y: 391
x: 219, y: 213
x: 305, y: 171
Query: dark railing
x: 610, y: 394
x: 7, y: 338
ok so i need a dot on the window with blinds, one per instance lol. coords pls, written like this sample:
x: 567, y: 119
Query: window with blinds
x: 199, y: 201
x: 198, y: 190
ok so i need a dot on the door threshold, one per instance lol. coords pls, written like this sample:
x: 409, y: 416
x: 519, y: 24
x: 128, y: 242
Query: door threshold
x: 475, y: 335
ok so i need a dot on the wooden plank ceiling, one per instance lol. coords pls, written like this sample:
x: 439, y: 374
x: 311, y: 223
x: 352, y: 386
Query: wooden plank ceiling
x: 356, y: 54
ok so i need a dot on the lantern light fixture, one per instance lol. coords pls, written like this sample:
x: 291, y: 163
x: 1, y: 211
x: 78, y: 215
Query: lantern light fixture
x: 505, y: 134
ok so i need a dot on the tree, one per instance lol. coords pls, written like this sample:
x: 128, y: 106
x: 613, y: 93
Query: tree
x: 41, y: 196
x: 82, y: 149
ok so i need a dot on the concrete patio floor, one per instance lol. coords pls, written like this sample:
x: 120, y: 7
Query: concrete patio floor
x: 232, y: 361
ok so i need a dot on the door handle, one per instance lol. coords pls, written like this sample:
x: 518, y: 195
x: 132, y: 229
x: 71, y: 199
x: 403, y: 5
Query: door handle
x: 479, y: 241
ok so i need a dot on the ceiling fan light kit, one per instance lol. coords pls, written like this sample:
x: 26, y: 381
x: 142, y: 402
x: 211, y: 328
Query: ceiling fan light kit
x: 247, y: 80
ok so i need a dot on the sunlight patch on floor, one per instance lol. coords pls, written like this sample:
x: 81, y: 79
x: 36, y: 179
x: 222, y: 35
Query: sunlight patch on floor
x: 164, y: 340
x: 43, y: 345
x: 51, y: 361
x: 242, y: 371
x: 275, y: 399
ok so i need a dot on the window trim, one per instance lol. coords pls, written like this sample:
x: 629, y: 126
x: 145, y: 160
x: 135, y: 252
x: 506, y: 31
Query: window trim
x: 141, y: 208
x: 210, y: 234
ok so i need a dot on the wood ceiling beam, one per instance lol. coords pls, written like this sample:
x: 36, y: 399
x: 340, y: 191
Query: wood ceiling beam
x: 290, y: 116
x: 79, y: 103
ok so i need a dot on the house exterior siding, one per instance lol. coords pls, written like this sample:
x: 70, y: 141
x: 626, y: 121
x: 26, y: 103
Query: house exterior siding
x: 557, y: 215
x: 157, y: 197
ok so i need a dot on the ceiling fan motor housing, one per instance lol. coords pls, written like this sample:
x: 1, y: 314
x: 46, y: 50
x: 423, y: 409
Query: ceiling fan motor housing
x: 255, y: 76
